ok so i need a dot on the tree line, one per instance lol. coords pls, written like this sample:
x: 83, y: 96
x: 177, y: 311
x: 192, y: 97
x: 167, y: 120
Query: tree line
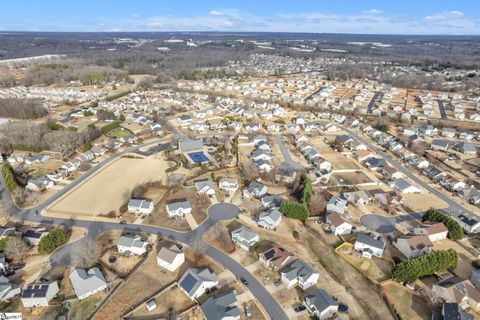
x: 22, y: 109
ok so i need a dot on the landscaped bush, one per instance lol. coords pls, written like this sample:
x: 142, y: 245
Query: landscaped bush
x: 109, y: 127
x: 52, y: 241
x: 412, y: 269
x: 9, y: 176
x: 455, y: 231
x: 295, y: 210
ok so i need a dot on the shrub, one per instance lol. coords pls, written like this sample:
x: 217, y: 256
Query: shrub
x: 412, y: 269
x: 307, y: 189
x: 455, y: 231
x: 295, y: 234
x: 109, y: 127
x: 52, y: 125
x: 295, y: 210
x: 52, y: 241
x: 87, y: 146
x: 9, y: 176
x: 118, y: 95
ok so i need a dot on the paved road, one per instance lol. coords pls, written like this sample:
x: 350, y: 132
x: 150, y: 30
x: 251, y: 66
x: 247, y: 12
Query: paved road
x: 219, y: 212
x: 441, y: 108
x: 286, y: 155
x: 453, y: 207
x: 377, y: 95
x: 383, y: 224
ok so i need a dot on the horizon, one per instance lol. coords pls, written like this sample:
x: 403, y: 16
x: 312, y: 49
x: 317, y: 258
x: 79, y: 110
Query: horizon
x: 305, y: 16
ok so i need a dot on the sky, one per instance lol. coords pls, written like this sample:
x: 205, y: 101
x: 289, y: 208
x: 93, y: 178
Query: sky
x: 452, y: 17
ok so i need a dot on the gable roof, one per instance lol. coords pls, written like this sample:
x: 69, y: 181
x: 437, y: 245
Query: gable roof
x: 370, y: 240
x: 193, y: 278
x: 221, y: 307
x: 84, y: 282
x: 320, y: 300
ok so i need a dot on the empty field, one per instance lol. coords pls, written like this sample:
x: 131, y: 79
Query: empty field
x: 348, y: 178
x: 114, y: 182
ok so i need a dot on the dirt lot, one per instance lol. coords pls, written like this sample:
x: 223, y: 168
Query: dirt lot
x: 348, y: 178
x: 115, y: 183
x: 173, y: 301
x: 122, y: 265
x: 52, y: 312
x: 423, y: 201
x: 407, y: 305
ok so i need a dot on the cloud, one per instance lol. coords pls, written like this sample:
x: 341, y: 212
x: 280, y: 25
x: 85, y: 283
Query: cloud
x: 372, y: 11
x: 135, y: 15
x: 216, y: 13
x: 447, y: 15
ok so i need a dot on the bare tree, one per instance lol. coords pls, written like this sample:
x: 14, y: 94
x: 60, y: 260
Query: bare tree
x: 250, y: 170
x: 15, y: 248
x: 198, y: 245
x: 317, y: 203
x: 88, y: 254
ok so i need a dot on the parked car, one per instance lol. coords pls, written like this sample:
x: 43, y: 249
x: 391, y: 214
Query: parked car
x: 248, y: 311
x: 244, y: 281
x: 299, y: 308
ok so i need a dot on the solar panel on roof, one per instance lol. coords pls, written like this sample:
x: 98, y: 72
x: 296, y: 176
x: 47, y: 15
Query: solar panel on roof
x: 270, y: 254
x: 188, y: 283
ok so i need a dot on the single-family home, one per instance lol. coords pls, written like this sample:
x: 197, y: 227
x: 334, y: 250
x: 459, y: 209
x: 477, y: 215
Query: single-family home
x: 391, y: 173
x: 375, y: 164
x: 7, y: 290
x: 140, y: 206
x: 338, y: 225
x: 270, y: 219
x: 414, y: 246
x: 276, y: 257
x: 228, y: 184
x: 222, y: 307
x: 469, y: 224
x: 178, y: 209
x: 338, y: 204
x: 403, y: 186
x: 471, y: 195
x: 205, y: 187
x: 298, y: 272
x: 320, y: 304
x: 440, y: 145
x: 435, y: 231
x: 196, y: 281
x: 358, y: 198
x: 453, y: 311
x: 132, y: 245
x: 170, y: 258
x: 369, y: 245
x: 87, y: 282
x: 33, y: 236
x: 458, y: 290
x: 467, y: 148
x: 255, y: 189
x: 39, y: 294
x: 244, y: 237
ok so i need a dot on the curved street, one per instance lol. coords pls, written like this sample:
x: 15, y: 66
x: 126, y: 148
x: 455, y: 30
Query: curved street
x: 63, y: 255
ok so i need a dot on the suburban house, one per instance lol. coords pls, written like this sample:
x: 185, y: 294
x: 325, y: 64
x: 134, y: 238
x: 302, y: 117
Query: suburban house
x: 369, y: 245
x: 228, y: 184
x: 440, y: 145
x: 320, y: 304
x: 271, y: 201
x: 467, y: 148
x: 39, y: 294
x: 276, y: 257
x: 7, y: 290
x: 403, y: 186
x: 255, y: 189
x: 178, y: 209
x: 338, y: 204
x: 33, y: 237
x: 190, y: 145
x: 205, y: 187
x: 453, y: 311
x: 457, y: 290
x: 471, y: 195
x: 298, y: 272
x: 87, y: 282
x: 414, y: 246
x: 375, y: 164
x: 132, y: 245
x: 196, y: 281
x: 338, y: 225
x: 270, y: 219
x: 39, y: 184
x: 435, y: 231
x: 244, y: 238
x: 358, y: 198
x: 285, y: 173
x: 391, y: 173
x: 170, y: 258
x: 469, y: 224
x: 140, y: 206
x: 223, y: 307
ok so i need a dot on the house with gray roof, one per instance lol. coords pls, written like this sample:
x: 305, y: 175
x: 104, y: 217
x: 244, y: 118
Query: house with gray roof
x: 223, y: 307
x: 369, y: 245
x: 255, y: 189
x: 471, y: 195
x: 440, y: 145
x: 468, y: 223
x: 131, y: 245
x: 178, y: 209
x: 196, y: 281
x: 87, y: 282
x: 467, y: 148
x: 270, y: 219
x: 140, y: 206
x: 205, y: 187
x: 7, y: 290
x: 338, y: 204
x: 190, y: 145
x: 403, y: 186
x: 298, y: 272
x: 320, y: 304
x: 244, y: 237
x: 273, y: 201
x: 39, y: 294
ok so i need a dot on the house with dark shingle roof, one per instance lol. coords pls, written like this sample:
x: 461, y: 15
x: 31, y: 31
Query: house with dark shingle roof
x: 369, y: 245
x: 196, y: 281
x: 320, y: 304
x: 223, y: 307
x: 299, y: 273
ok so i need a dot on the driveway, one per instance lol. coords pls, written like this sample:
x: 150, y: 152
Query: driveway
x: 285, y: 153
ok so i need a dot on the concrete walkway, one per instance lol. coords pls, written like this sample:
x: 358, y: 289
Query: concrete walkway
x: 191, y: 221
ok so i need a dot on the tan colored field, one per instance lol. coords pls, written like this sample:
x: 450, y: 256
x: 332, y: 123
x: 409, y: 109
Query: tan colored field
x: 115, y: 183
x: 423, y: 201
x: 407, y: 305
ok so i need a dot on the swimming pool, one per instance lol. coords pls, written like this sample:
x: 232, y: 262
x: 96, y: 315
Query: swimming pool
x: 198, y: 157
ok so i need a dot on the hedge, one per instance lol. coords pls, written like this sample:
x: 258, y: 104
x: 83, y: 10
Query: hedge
x: 307, y: 189
x: 52, y: 241
x: 455, y: 231
x: 109, y: 127
x: 412, y: 269
x: 9, y: 176
x: 118, y: 95
x: 295, y: 210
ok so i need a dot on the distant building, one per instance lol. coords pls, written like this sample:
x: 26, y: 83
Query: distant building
x: 140, y: 206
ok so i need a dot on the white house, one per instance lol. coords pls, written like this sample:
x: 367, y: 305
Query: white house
x: 469, y: 224
x: 86, y: 283
x: 244, y: 238
x: 39, y: 294
x: 270, y: 219
x: 228, y: 184
x: 403, y: 186
x: 298, y: 272
x: 435, y: 231
x: 7, y: 290
x: 320, y: 304
x: 369, y: 245
x: 338, y: 224
x: 178, y: 209
x: 196, y: 281
x: 338, y: 204
x: 255, y: 189
x: 170, y: 258
x: 140, y: 206
x: 205, y: 187
x: 131, y: 245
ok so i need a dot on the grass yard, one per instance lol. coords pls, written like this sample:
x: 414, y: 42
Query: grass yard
x: 121, y: 265
x: 84, y: 309
x: 174, y: 301
x: 40, y: 313
x: 114, y: 182
x: 375, y: 269
x: 407, y: 305
x: 348, y: 178
x: 119, y: 133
